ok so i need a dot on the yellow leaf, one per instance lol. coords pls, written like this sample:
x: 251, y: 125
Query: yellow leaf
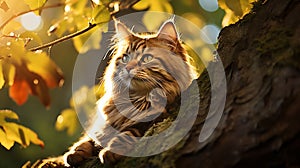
x: 33, y: 36
x: 12, y: 132
x: 235, y: 10
x: 9, y: 72
x: 7, y: 114
x: 17, y: 51
x: 30, y: 136
x: 16, y: 6
x: 41, y: 64
x: 88, y: 40
x: 12, y: 26
x: 67, y: 120
x: 4, y: 141
x: 154, y: 20
x: 1, y: 76
x: 100, y: 14
x: 34, y: 4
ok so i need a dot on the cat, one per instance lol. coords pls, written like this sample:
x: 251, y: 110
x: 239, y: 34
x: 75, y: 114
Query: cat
x: 146, y: 74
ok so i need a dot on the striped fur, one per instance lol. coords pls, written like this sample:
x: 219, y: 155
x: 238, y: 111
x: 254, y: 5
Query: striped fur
x: 146, y: 74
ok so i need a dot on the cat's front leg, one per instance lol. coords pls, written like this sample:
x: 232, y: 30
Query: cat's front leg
x: 81, y: 151
x: 123, y: 143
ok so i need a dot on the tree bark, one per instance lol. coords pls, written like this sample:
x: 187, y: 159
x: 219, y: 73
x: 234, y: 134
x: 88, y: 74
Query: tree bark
x: 260, y: 124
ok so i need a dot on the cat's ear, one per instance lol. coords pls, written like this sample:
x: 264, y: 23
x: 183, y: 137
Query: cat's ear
x: 121, y: 30
x: 168, y: 30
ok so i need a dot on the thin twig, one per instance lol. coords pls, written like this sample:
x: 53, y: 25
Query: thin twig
x: 67, y: 37
x: 64, y: 38
x: 31, y: 10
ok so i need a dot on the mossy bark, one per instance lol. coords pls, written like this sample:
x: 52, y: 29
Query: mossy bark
x: 260, y: 125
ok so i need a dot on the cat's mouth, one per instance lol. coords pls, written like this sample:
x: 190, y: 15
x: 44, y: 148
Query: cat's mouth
x: 136, y: 82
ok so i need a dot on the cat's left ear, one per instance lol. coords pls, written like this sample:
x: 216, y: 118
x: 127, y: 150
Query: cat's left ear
x: 168, y: 30
x: 121, y: 30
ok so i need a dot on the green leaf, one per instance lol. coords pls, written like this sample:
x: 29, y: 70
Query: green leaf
x: 34, y: 4
x: 67, y: 120
x: 100, y: 14
x: 12, y: 132
x: 152, y: 20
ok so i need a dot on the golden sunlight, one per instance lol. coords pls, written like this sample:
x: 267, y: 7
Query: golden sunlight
x: 31, y: 22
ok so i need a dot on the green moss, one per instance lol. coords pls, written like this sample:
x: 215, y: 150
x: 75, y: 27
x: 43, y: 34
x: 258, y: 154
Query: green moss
x: 273, y: 41
x: 168, y: 158
x: 275, y: 45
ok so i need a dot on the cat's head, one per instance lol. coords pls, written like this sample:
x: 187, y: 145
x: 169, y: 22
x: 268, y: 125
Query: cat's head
x: 145, y: 61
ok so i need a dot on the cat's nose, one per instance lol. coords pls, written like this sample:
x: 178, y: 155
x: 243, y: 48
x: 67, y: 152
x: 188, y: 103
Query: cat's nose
x: 131, y: 65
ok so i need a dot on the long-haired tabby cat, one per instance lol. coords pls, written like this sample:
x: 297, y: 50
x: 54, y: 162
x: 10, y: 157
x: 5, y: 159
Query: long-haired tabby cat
x: 147, y: 72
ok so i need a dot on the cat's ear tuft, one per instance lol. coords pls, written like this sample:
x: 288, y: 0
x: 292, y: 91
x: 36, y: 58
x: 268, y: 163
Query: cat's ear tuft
x: 121, y: 30
x: 168, y: 30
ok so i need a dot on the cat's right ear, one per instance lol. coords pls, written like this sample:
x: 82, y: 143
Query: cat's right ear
x: 121, y: 30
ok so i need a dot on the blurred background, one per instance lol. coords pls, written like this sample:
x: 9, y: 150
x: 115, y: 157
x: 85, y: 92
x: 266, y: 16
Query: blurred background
x: 206, y: 14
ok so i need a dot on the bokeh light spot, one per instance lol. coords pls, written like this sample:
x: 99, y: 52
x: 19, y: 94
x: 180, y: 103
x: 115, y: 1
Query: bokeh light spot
x: 210, y: 33
x: 31, y: 22
x: 209, y: 5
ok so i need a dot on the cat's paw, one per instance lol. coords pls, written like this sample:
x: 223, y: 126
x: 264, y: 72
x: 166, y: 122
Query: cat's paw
x: 79, y: 153
x: 108, y: 157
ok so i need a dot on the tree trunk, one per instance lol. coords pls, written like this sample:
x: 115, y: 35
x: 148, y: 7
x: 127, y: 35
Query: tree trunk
x: 261, y: 121
x: 260, y: 125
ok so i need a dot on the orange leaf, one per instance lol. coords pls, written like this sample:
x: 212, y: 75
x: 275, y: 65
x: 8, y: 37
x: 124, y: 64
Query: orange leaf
x: 19, y: 91
x: 42, y: 65
x: 27, y: 82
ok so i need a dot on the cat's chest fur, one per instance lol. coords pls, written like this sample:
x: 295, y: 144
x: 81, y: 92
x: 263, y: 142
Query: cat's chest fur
x: 127, y: 110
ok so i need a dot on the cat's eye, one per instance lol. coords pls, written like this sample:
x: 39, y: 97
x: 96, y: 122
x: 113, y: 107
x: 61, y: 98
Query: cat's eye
x: 147, y: 58
x: 125, y: 58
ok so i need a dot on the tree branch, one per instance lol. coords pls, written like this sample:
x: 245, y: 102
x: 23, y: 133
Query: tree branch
x: 31, y: 10
x: 123, y: 5
x: 65, y: 37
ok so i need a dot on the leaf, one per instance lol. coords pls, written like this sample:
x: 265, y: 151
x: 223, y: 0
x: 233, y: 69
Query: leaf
x: 28, y: 72
x: 12, y: 26
x: 78, y: 5
x: 27, y: 82
x: 7, y: 114
x: 4, y: 6
x: 32, y: 36
x: 16, y: 6
x: 1, y: 76
x: 34, y: 4
x: 67, y: 120
x: 4, y: 141
x: 12, y: 132
x: 41, y: 64
x: 100, y: 14
x: 88, y: 40
x: 235, y: 10
x: 154, y: 20
x: 8, y: 71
